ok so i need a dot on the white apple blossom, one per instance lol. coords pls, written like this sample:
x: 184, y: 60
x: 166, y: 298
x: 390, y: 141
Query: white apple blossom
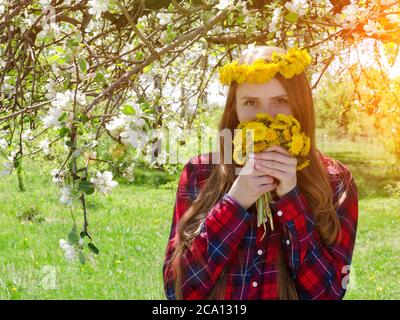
x: 45, y: 146
x: 26, y: 134
x: 350, y: 16
x: 97, y: 7
x: 70, y: 252
x: 164, y: 37
x: 51, y: 119
x: 143, y: 20
x: 371, y: 27
x: 122, y: 125
x: 49, y: 86
x: 298, y: 6
x: 44, y: 3
x: 104, y: 182
x: 128, y: 173
x: 66, y: 196
x: 393, y: 18
x: 164, y: 18
x: 59, y: 105
x: 81, y: 241
x: 275, y: 19
x: 58, y: 176
x: 2, y: 7
x: 386, y: 2
x: 3, y: 143
x: 116, y: 123
x: 223, y: 4
x: 135, y: 138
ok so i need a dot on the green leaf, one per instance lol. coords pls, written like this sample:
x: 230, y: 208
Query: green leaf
x: 128, y: 110
x: 139, y: 55
x: 69, y: 143
x: 170, y: 7
x: 93, y: 248
x: 83, y: 65
x: 72, y: 43
x: 82, y: 259
x: 63, y: 132
x: 59, y: 49
x: 86, y: 187
x: 170, y: 28
x: 240, y: 19
x: 291, y: 17
x: 73, y: 237
x: 63, y: 116
x: 83, y: 118
x: 99, y: 77
x: 148, y: 68
x: 54, y: 58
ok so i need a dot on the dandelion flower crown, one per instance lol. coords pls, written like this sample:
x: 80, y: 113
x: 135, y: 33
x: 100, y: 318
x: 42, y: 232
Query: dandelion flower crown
x: 287, y: 64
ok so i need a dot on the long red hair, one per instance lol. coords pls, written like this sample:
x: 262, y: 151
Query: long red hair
x: 313, y: 181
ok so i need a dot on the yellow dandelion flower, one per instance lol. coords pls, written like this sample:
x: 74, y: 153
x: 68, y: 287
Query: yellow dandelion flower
x: 260, y: 130
x: 243, y: 124
x: 302, y: 165
x: 261, y: 71
x: 264, y: 117
x: 239, y: 137
x: 238, y: 156
x: 296, y: 144
x: 232, y: 71
x: 306, y: 148
x: 260, y: 146
x: 295, y: 121
x: 292, y: 63
x: 295, y: 130
x: 278, y: 126
x: 284, y: 118
x: 275, y: 142
x: 271, y: 135
x: 287, y: 135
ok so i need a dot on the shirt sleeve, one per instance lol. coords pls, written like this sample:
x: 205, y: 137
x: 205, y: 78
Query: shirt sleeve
x: 319, y: 271
x: 203, y: 260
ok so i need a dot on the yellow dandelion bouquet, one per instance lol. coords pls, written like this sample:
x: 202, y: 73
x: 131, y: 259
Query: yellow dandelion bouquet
x: 265, y: 131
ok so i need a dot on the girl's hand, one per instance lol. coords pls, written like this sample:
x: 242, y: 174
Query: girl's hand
x: 276, y: 162
x: 250, y: 185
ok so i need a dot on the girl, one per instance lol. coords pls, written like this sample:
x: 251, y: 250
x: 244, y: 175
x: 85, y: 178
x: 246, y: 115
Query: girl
x: 215, y: 249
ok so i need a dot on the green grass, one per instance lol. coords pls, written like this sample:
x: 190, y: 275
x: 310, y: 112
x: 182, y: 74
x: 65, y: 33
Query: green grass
x: 131, y: 226
x: 376, y: 257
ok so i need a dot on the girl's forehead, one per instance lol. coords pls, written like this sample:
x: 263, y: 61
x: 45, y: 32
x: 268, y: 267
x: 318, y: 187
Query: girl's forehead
x: 268, y: 89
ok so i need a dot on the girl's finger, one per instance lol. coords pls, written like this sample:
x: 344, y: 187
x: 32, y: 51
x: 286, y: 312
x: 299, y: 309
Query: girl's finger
x: 266, y: 187
x: 281, y: 176
x: 248, y: 168
x: 276, y: 156
x: 278, y: 149
x: 264, y: 179
x: 258, y: 173
x: 275, y: 165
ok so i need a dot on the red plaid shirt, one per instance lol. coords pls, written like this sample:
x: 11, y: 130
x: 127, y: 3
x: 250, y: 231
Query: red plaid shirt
x: 319, y: 271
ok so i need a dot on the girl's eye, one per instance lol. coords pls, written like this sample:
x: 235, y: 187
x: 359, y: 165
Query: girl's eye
x: 280, y: 101
x: 253, y: 103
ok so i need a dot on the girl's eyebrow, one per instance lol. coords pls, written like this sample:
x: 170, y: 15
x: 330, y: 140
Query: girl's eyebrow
x: 275, y: 97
